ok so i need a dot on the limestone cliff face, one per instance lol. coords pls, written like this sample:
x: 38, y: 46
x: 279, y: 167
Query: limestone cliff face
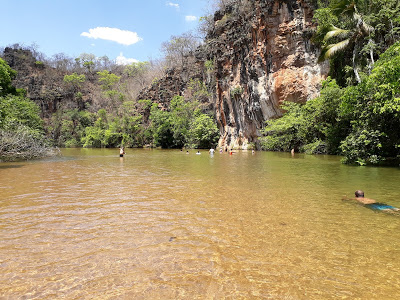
x: 262, y: 56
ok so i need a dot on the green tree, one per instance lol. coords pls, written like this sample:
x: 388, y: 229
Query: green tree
x: 18, y: 110
x: 353, y: 37
x: 203, y: 132
x: 6, y: 76
x: 161, y: 127
x: 75, y: 82
x: 344, y: 32
x: 88, y: 61
x: 21, y: 130
x: 110, y: 130
x: 374, y: 110
x: 108, y: 80
x: 183, y: 125
x: 68, y: 127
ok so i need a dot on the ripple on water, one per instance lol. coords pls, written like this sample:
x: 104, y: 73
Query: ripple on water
x: 162, y: 225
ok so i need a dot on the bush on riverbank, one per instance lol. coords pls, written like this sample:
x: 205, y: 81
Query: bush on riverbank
x: 21, y: 130
x: 184, y: 125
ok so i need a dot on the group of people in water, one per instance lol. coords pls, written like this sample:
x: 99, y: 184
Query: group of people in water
x: 359, y: 194
x: 212, y: 151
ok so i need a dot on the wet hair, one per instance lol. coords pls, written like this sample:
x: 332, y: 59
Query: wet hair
x: 359, y: 194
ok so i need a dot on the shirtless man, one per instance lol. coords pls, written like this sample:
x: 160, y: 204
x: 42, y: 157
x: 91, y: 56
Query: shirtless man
x: 371, y: 203
x: 121, y: 151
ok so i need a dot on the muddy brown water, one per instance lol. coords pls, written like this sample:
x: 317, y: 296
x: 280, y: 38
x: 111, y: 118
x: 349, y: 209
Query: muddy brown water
x: 169, y: 225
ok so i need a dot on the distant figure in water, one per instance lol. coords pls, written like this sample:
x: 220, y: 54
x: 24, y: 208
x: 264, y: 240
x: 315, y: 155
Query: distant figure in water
x: 198, y: 152
x: 211, y: 151
x: 121, y: 152
x: 372, y: 204
x: 292, y: 152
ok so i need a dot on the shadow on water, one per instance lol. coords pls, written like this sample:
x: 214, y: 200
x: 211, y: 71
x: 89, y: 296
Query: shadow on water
x: 7, y: 166
x: 21, y: 163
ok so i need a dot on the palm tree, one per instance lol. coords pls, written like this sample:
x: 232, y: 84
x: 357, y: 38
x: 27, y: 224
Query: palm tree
x: 349, y: 37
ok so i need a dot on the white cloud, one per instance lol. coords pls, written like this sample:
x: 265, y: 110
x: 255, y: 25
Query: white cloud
x: 122, y: 60
x: 190, y: 18
x: 176, y: 5
x: 123, y: 37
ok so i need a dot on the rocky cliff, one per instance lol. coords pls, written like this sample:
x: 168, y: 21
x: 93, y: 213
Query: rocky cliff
x: 42, y: 84
x: 262, y: 56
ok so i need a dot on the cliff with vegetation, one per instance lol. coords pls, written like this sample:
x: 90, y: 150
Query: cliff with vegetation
x: 256, y: 55
x: 262, y: 55
x: 357, y: 112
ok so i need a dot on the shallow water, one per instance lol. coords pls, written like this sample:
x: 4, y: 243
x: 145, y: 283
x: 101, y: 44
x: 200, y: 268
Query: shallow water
x: 167, y: 225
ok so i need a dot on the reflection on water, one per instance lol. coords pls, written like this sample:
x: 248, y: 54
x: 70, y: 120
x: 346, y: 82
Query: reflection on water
x: 166, y: 225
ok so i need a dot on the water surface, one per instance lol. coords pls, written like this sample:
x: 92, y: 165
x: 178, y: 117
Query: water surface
x: 166, y: 225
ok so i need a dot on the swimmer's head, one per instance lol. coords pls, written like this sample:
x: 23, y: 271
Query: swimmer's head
x: 359, y: 194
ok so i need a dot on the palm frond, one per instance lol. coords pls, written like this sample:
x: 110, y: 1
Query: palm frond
x: 366, y: 28
x: 345, y: 7
x: 333, y: 48
x: 334, y: 32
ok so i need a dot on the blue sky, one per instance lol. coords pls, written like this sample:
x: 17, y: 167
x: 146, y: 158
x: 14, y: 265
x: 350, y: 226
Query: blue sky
x: 128, y: 29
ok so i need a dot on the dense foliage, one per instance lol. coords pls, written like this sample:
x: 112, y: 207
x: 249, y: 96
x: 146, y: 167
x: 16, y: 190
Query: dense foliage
x: 354, y: 33
x: 21, y: 128
x: 361, y: 122
x: 74, y: 128
x: 6, y: 76
x: 183, y: 125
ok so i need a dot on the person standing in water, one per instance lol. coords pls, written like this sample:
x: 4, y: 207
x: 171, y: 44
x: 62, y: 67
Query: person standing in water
x: 121, y: 151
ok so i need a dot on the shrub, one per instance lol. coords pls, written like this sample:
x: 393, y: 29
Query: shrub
x: 363, y: 147
x: 236, y: 92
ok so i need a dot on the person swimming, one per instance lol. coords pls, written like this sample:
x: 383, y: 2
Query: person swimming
x: 372, y: 204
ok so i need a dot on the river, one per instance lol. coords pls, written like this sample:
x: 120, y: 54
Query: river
x: 163, y: 224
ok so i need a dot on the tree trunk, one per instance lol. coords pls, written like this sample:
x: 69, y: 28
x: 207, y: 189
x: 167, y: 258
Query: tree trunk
x: 355, y: 65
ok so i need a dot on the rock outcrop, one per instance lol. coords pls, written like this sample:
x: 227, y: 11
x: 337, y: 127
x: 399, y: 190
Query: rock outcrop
x: 45, y: 85
x: 262, y: 56
x: 41, y: 83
